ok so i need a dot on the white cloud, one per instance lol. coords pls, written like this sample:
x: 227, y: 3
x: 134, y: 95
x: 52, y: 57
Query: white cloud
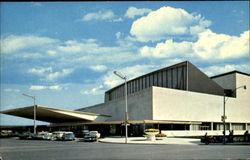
x: 98, y: 68
x: 219, y: 69
x: 54, y: 87
x: 220, y: 46
x: 94, y: 91
x: 167, y: 22
x: 111, y: 80
x: 78, y: 47
x: 101, y: 15
x: 132, y: 12
x: 118, y: 35
x: 11, y: 90
x: 167, y: 49
x: 48, y: 73
x: 36, y: 4
x: 209, y: 45
x: 59, y: 74
x: 40, y: 71
x: 14, y: 43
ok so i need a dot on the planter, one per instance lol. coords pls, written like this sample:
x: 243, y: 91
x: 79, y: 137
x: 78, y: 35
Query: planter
x: 160, y: 138
x: 151, y: 136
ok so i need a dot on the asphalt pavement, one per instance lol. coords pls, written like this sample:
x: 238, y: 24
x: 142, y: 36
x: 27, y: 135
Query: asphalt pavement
x: 15, y: 149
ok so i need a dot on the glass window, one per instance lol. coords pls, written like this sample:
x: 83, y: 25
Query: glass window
x: 143, y: 82
x: 160, y: 79
x: 135, y: 81
x: 180, y: 78
x: 139, y: 84
x: 132, y: 86
x: 148, y: 81
x: 155, y: 79
x: 174, y: 71
x: 164, y: 79
x: 169, y: 76
x: 151, y: 80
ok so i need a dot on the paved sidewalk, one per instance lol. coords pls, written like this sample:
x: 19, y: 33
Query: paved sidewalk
x: 142, y: 140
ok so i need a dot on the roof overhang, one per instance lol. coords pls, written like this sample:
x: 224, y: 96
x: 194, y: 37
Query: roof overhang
x: 54, y: 115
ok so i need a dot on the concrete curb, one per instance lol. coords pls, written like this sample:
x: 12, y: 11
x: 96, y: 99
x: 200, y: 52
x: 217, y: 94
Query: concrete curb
x: 142, y: 142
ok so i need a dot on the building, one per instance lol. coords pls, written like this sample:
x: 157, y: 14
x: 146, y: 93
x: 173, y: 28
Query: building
x: 180, y: 100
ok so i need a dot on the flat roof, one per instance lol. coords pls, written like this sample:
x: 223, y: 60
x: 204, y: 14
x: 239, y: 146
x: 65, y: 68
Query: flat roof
x: 231, y: 72
x: 130, y: 122
x: 53, y: 115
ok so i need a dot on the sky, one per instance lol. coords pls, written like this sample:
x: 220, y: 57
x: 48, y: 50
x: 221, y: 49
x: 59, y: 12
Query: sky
x: 64, y: 53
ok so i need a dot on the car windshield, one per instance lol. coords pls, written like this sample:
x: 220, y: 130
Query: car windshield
x: 69, y: 135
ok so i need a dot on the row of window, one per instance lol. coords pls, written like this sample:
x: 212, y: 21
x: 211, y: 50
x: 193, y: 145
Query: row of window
x: 171, y: 78
x: 219, y: 126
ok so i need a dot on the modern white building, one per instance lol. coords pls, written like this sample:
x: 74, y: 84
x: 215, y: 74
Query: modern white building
x: 180, y: 100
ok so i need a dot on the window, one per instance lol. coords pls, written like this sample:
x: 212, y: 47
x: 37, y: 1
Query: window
x: 164, y: 79
x: 169, y: 76
x: 155, y: 79
x: 151, y: 80
x: 160, y: 79
x: 174, y: 78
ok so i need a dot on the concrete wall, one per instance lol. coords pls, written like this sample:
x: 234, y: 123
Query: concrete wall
x: 197, y: 133
x: 139, y: 107
x: 227, y: 81
x: 170, y: 104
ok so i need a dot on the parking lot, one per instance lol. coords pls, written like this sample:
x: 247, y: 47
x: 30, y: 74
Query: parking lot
x: 13, y: 148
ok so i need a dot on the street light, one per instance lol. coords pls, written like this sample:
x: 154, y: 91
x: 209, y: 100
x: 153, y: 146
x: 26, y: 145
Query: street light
x: 34, y: 99
x: 126, y: 103
x: 224, y: 113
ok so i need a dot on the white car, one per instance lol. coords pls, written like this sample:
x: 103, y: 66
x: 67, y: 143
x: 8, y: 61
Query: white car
x: 98, y: 135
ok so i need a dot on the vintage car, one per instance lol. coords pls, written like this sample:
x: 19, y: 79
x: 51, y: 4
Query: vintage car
x: 68, y: 136
x: 93, y: 136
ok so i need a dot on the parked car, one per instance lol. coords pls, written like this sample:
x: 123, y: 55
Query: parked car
x: 47, y: 136
x: 95, y: 133
x: 92, y: 136
x: 68, y: 136
x: 81, y: 133
x: 57, y: 135
x: 25, y: 135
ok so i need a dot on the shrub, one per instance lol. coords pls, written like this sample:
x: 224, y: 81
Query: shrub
x: 160, y: 135
x: 151, y: 130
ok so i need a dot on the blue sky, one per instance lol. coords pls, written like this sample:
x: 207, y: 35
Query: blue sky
x: 64, y: 53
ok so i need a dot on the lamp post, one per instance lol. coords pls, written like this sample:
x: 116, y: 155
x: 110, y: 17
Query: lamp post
x: 126, y: 103
x: 34, y: 99
x: 224, y: 113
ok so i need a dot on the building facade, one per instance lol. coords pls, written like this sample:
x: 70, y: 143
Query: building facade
x: 181, y: 101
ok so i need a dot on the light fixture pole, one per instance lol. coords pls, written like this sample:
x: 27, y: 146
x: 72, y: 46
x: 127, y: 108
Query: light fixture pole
x: 34, y: 108
x: 224, y: 112
x: 126, y: 103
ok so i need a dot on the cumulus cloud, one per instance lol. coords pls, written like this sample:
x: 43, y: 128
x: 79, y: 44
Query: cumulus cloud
x: 40, y: 71
x: 54, y: 87
x: 221, y: 46
x: 111, y: 80
x: 72, y: 46
x: 132, y: 12
x: 48, y: 73
x: 98, y: 68
x: 55, y: 75
x: 118, y: 35
x: 94, y: 91
x: 209, y: 46
x: 218, y: 69
x: 167, y: 22
x: 101, y: 15
x: 11, y: 90
x: 167, y: 49
x: 15, y: 43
